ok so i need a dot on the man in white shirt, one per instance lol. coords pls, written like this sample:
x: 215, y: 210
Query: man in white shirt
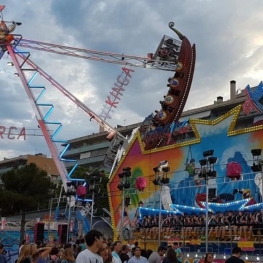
x: 157, y: 257
x: 94, y: 241
x: 137, y: 258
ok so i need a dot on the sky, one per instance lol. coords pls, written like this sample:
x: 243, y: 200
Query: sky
x: 229, y: 46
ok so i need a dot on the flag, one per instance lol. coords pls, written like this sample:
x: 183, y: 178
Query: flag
x: 2, y: 7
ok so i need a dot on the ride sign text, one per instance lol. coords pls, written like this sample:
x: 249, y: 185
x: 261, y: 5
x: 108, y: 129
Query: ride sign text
x: 12, y: 132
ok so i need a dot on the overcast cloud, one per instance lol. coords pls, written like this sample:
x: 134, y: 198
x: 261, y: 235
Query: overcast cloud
x: 227, y: 33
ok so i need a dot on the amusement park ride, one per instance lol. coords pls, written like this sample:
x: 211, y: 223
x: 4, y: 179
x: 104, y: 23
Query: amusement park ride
x: 158, y: 161
x: 171, y: 55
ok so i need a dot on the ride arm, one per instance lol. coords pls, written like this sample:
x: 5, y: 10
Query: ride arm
x: 93, y: 116
x: 113, y: 58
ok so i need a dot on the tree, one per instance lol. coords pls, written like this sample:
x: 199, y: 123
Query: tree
x: 24, y: 189
x: 102, y: 198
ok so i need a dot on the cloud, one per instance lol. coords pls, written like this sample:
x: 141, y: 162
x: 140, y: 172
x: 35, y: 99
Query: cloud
x: 228, y: 41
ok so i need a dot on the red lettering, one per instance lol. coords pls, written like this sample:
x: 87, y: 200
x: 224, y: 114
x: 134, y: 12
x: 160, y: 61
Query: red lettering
x: 111, y: 103
x: 9, y: 133
x: 115, y: 95
x: 22, y: 133
x: 127, y: 71
x: 116, y: 85
x: 117, y: 91
x: 124, y: 82
x: 2, y: 130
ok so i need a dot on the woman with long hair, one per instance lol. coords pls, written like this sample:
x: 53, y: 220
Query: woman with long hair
x: 208, y: 258
x: 170, y: 256
x: 24, y: 255
x: 105, y: 253
x: 38, y: 254
x: 68, y: 256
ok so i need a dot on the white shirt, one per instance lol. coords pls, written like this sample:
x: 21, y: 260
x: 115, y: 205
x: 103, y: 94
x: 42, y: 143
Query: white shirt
x: 138, y: 260
x: 86, y: 256
x: 116, y: 257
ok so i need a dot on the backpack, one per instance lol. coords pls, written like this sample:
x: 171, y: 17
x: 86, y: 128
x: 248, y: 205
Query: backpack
x: 81, y: 190
x: 140, y: 183
x: 233, y: 170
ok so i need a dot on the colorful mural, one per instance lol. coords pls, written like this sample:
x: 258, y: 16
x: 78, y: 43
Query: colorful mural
x: 229, y: 144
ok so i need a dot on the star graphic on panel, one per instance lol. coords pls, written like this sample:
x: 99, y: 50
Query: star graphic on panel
x: 200, y: 127
x: 182, y: 209
x: 221, y: 207
x: 146, y: 211
x: 252, y: 207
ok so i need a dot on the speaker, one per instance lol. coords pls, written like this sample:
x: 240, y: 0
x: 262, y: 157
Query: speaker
x: 127, y: 201
x: 39, y: 232
x: 62, y: 233
x: 211, y: 193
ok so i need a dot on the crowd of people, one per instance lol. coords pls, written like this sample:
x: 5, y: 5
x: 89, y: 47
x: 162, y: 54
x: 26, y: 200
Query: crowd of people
x: 94, y: 248
x: 100, y: 251
x: 225, y: 226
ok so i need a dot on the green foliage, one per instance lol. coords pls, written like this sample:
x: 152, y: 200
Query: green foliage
x: 25, y: 188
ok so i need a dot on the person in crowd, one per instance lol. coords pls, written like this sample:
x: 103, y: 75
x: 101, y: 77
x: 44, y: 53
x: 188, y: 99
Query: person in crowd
x: 116, y: 250
x: 178, y: 251
x: 137, y: 215
x: 156, y: 257
x: 24, y: 255
x: 124, y: 253
x: 22, y: 244
x: 144, y: 229
x: 213, y: 225
x: 148, y: 253
x: 2, y: 259
x: 235, y: 258
x: 209, y: 258
x: 188, y: 226
x: 170, y: 256
x: 68, y: 256
x: 137, y: 258
x: 82, y: 243
x: 105, y: 253
x: 257, y: 228
x: 131, y: 246
x: 54, y: 255
x: 250, y: 224
x: 71, y: 241
x: 2, y: 249
x: 60, y: 253
x: 40, y: 255
x: 68, y: 245
x: 94, y: 241
x: 110, y: 242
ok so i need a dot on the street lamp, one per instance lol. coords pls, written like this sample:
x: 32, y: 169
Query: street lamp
x: 161, y: 179
x: 95, y: 179
x: 123, y: 185
x: 207, y: 172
